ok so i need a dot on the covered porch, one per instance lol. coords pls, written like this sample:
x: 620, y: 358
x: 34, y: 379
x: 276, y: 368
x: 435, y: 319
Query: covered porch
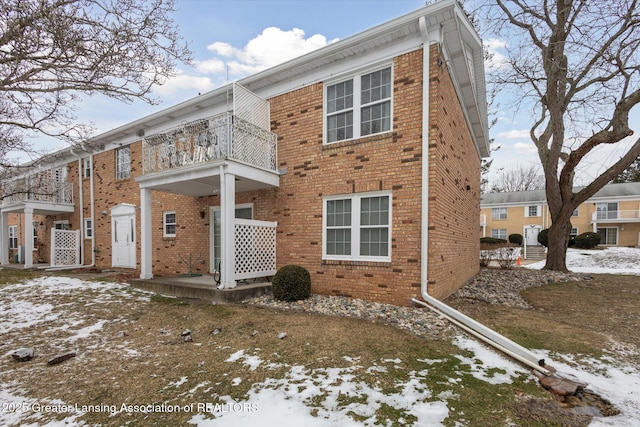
x: 38, y: 194
x: 230, y: 152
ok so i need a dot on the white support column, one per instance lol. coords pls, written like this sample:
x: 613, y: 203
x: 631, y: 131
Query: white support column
x: 28, y: 238
x: 4, y: 238
x: 146, y: 243
x: 227, y: 228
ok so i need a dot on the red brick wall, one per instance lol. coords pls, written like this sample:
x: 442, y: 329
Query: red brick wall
x: 454, y: 189
x: 389, y: 162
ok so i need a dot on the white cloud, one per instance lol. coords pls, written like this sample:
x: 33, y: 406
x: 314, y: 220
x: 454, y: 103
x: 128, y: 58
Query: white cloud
x: 183, y: 82
x: 495, y: 47
x: 210, y: 66
x: 515, y: 134
x: 271, y: 47
x: 525, y: 148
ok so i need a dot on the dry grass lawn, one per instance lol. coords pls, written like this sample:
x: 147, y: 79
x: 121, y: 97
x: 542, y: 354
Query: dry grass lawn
x: 130, y: 350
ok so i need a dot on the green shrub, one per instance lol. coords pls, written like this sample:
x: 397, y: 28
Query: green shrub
x: 587, y: 240
x: 543, y: 237
x: 492, y: 241
x: 516, y: 239
x: 291, y: 283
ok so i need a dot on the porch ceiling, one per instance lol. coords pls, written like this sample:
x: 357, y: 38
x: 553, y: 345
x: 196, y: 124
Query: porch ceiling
x: 204, y: 179
x: 39, y: 208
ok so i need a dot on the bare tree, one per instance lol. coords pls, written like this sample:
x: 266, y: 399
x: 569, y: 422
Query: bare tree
x: 522, y: 178
x: 579, y: 61
x: 52, y: 51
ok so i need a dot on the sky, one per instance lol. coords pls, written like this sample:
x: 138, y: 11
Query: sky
x: 231, y: 39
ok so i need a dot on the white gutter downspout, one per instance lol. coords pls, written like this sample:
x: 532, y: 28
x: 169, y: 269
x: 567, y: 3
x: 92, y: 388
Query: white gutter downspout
x: 471, y: 326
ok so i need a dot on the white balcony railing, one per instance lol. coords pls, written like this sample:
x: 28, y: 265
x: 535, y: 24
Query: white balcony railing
x: 36, y: 189
x: 616, y: 216
x: 225, y: 136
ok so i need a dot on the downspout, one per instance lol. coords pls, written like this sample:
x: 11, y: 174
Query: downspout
x: 459, y: 319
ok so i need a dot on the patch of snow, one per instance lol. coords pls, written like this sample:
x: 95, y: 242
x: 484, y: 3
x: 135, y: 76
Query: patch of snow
x: 618, y: 384
x: 486, y: 364
x: 252, y: 361
x: 611, y: 260
x: 327, y: 388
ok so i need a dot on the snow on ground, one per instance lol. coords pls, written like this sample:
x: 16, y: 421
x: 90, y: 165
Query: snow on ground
x: 610, y: 260
x: 315, y: 397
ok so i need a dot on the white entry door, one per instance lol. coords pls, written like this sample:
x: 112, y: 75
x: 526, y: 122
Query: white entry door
x: 531, y: 235
x: 123, y: 242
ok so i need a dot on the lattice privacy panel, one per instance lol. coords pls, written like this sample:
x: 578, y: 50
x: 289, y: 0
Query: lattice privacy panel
x: 65, y: 247
x: 250, y: 107
x: 255, y: 249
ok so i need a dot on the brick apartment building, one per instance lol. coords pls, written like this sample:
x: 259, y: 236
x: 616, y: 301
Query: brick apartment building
x: 343, y: 161
x: 613, y: 212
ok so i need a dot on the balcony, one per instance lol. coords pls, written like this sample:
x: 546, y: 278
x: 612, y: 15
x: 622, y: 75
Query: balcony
x: 616, y: 216
x: 241, y: 134
x: 222, y: 137
x: 36, y: 189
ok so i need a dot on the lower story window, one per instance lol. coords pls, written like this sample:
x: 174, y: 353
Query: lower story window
x: 88, y: 229
x: 357, y: 227
x: 169, y: 220
x: 499, y: 233
x: 608, y: 236
x: 13, y: 237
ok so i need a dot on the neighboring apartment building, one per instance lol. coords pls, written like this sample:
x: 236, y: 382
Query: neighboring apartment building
x: 614, y: 212
x: 342, y: 161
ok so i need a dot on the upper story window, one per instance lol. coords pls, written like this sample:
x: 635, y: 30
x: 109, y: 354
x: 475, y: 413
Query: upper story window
x: 575, y: 212
x: 607, y: 210
x: 359, y: 106
x: 498, y: 213
x: 533, y: 210
x: 123, y: 163
x: 86, y: 167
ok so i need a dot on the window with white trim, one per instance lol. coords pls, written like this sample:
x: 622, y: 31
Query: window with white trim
x: 35, y: 235
x: 88, y: 228
x: 499, y: 233
x: 62, y: 225
x: 359, y: 106
x: 498, y: 213
x: 357, y: 227
x: 607, y: 210
x: 169, y: 224
x: 573, y: 232
x: 532, y: 211
x: 123, y: 163
x: 575, y: 212
x: 86, y: 167
x: 13, y: 237
x: 608, y: 236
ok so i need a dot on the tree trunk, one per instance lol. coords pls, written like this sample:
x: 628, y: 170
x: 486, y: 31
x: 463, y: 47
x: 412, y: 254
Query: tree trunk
x: 558, y: 239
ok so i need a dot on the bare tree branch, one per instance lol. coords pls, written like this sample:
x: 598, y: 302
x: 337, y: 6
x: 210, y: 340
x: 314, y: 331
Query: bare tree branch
x: 51, y: 51
x: 579, y: 63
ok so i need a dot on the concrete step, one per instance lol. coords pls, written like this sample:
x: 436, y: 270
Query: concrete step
x: 535, y: 252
